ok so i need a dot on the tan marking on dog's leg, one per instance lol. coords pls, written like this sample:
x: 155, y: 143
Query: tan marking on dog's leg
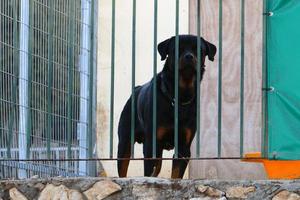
x: 188, y: 136
x: 124, y: 168
x: 175, y: 172
x: 156, y: 168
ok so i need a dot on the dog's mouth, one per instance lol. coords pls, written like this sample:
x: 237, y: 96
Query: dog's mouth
x: 188, y: 70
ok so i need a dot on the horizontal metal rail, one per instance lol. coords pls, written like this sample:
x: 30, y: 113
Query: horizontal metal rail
x: 115, y: 159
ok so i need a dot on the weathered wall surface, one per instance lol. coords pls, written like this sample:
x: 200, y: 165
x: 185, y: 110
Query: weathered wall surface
x: 231, y: 68
x: 147, y: 188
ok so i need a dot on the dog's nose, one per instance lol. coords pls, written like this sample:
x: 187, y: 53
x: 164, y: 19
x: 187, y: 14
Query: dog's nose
x: 188, y: 56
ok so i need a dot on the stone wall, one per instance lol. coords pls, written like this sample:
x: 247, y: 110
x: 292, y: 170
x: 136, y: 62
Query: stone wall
x: 146, y: 188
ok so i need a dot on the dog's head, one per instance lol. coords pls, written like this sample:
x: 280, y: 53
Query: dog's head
x: 187, y: 57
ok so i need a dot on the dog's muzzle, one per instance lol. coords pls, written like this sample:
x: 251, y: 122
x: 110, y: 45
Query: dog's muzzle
x: 188, y: 62
x: 189, y: 57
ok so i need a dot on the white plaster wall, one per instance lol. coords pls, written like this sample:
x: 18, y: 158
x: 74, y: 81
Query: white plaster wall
x: 144, y: 66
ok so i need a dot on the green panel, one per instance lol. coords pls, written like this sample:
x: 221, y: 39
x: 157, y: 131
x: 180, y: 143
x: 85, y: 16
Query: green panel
x: 283, y: 61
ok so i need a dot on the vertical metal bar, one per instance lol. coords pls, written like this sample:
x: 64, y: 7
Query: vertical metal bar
x: 92, y: 140
x: 220, y: 77
x: 199, y: 58
x: 133, y: 78
x: 12, y: 116
x: 50, y: 76
x: 70, y: 73
x: 23, y: 82
x: 112, y: 94
x: 85, y: 98
x: 91, y: 81
x: 29, y: 96
x: 176, y: 79
x: 154, y: 117
x: 242, y: 78
x: 264, y: 140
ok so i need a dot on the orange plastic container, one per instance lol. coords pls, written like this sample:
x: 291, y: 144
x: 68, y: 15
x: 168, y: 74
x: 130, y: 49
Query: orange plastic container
x: 276, y: 169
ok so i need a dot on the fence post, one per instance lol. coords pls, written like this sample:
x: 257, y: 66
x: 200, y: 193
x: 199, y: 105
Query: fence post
x: 242, y: 78
x: 132, y: 135
x: 84, y: 84
x: 176, y: 80
x: 220, y: 78
x: 23, y: 83
x: 264, y: 135
x: 154, y: 123
x: 92, y: 83
x: 198, y: 77
x: 112, y: 78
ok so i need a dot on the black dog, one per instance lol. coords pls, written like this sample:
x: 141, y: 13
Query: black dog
x: 165, y: 108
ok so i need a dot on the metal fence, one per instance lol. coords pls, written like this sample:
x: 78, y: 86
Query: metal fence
x: 132, y: 46
x: 48, y: 86
x: 220, y: 84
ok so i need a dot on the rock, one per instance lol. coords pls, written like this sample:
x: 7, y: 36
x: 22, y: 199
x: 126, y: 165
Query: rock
x: 81, y: 185
x: 286, y: 195
x: 239, y: 192
x: 208, y: 198
x: 34, y: 177
x: 102, y: 189
x: 146, y: 192
x: 39, y: 186
x: 15, y: 194
x: 74, y: 194
x: 210, y: 191
x: 52, y: 192
x: 29, y: 190
x: 202, y: 188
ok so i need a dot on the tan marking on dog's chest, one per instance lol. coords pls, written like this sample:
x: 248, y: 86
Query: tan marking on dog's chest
x: 188, y: 136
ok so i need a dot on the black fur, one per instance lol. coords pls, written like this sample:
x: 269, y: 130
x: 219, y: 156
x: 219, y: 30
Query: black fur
x: 165, y: 108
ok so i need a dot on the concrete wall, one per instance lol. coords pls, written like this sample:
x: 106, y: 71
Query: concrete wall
x: 144, y: 65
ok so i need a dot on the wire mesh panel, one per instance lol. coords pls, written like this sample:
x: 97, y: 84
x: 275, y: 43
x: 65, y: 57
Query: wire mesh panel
x: 47, y: 86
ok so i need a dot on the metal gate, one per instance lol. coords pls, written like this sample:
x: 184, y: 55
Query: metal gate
x: 47, y: 80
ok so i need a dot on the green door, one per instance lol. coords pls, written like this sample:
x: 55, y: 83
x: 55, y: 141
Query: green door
x: 283, y: 71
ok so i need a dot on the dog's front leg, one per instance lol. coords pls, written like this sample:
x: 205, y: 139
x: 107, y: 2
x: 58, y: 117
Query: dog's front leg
x: 148, y: 164
x: 152, y: 167
x: 179, y: 165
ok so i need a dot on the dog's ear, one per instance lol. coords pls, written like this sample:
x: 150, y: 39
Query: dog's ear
x: 210, y: 49
x: 163, y: 49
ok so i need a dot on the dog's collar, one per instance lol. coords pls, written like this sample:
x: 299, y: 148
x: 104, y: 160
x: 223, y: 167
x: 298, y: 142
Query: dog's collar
x: 164, y: 90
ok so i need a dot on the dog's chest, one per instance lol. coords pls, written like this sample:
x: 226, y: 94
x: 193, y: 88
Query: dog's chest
x: 186, y: 115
